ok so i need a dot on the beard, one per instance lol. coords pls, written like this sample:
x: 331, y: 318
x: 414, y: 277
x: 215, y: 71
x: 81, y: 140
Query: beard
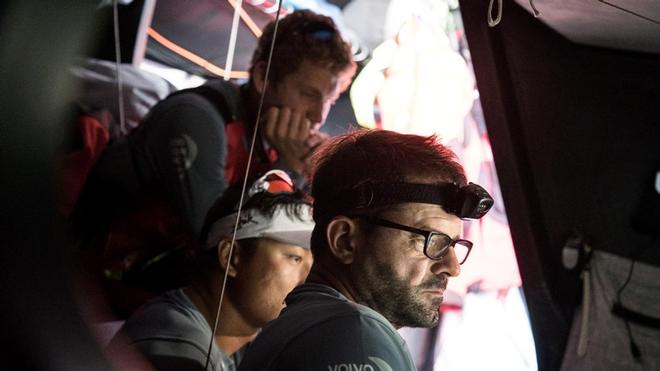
x: 379, y: 288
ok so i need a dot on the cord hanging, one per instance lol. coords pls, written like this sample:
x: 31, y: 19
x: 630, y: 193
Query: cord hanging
x: 494, y: 22
x: 642, y: 16
x: 120, y: 82
x: 232, y: 38
x: 536, y: 11
x: 244, y: 186
x: 583, y: 339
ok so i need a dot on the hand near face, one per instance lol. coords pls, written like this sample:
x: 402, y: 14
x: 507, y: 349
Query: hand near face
x: 292, y: 135
x: 315, y: 139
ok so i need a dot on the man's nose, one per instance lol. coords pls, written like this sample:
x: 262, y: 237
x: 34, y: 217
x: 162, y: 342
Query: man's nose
x: 306, y: 267
x: 447, y: 265
x: 319, y: 112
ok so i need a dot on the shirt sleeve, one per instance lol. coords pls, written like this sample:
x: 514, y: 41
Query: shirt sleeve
x: 181, y: 147
x: 182, y: 355
x: 357, y: 342
x: 168, y: 356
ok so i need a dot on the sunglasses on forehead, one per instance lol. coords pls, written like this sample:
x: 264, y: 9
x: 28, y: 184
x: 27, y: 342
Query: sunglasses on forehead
x: 273, y: 182
x: 319, y: 31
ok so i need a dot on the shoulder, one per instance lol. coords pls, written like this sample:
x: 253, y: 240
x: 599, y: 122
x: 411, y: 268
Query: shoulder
x: 170, y: 332
x: 173, y: 309
x: 215, y: 99
x: 218, y: 94
x: 356, y: 340
x: 353, y: 330
x: 328, y: 333
x: 170, y: 317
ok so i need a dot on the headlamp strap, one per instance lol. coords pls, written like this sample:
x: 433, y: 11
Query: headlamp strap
x: 469, y: 201
x: 382, y: 194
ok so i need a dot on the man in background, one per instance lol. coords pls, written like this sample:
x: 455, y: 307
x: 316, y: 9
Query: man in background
x: 270, y: 257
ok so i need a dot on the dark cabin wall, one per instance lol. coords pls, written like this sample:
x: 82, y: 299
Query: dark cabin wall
x: 42, y: 327
x: 128, y: 17
x: 575, y: 133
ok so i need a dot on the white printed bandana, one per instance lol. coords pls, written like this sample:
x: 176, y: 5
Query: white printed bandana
x: 253, y: 224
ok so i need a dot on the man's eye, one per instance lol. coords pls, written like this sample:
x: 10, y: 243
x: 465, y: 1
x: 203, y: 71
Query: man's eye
x: 296, y: 258
x: 418, y: 241
x: 308, y: 94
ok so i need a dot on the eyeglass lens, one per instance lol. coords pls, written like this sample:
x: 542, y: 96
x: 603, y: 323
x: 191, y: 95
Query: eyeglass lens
x: 439, y: 246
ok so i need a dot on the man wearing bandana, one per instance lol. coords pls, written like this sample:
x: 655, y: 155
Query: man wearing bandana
x: 386, y: 241
x: 270, y: 257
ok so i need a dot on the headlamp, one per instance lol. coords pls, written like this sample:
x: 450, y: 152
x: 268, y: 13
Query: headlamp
x: 470, y: 201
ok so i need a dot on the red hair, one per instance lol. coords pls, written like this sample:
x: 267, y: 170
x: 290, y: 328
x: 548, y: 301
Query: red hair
x: 365, y: 156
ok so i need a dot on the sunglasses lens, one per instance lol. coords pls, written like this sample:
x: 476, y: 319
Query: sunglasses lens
x: 274, y: 181
x: 278, y: 181
x: 319, y: 31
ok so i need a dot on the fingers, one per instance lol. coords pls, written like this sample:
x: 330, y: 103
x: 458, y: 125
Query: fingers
x: 294, y: 125
x: 286, y: 124
x: 271, y: 118
x: 304, y: 127
x: 316, y: 138
x: 288, y: 131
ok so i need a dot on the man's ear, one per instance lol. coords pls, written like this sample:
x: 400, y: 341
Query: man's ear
x: 342, y: 235
x: 224, y: 247
x: 258, y: 76
x: 346, y: 77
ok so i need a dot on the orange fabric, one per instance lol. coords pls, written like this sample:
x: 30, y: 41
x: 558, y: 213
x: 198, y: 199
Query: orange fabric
x: 76, y: 165
x: 194, y: 58
x: 237, y: 154
x: 249, y: 22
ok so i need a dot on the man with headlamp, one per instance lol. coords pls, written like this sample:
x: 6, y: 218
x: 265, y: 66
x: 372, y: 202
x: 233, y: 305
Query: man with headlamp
x: 386, y: 241
x: 270, y: 257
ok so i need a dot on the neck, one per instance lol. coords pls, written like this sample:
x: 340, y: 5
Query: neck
x: 251, y: 99
x: 335, y: 276
x: 232, y: 330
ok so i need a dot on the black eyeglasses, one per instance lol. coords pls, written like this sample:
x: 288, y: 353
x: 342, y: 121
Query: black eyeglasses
x: 436, y: 245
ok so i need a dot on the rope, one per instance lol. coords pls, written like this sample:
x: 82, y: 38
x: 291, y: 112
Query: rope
x: 232, y: 37
x: 536, y: 11
x: 494, y: 22
x: 244, y: 187
x: 655, y: 21
x: 120, y: 83
x: 586, y: 302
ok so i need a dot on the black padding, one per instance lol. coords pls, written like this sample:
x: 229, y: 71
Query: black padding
x: 470, y: 201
